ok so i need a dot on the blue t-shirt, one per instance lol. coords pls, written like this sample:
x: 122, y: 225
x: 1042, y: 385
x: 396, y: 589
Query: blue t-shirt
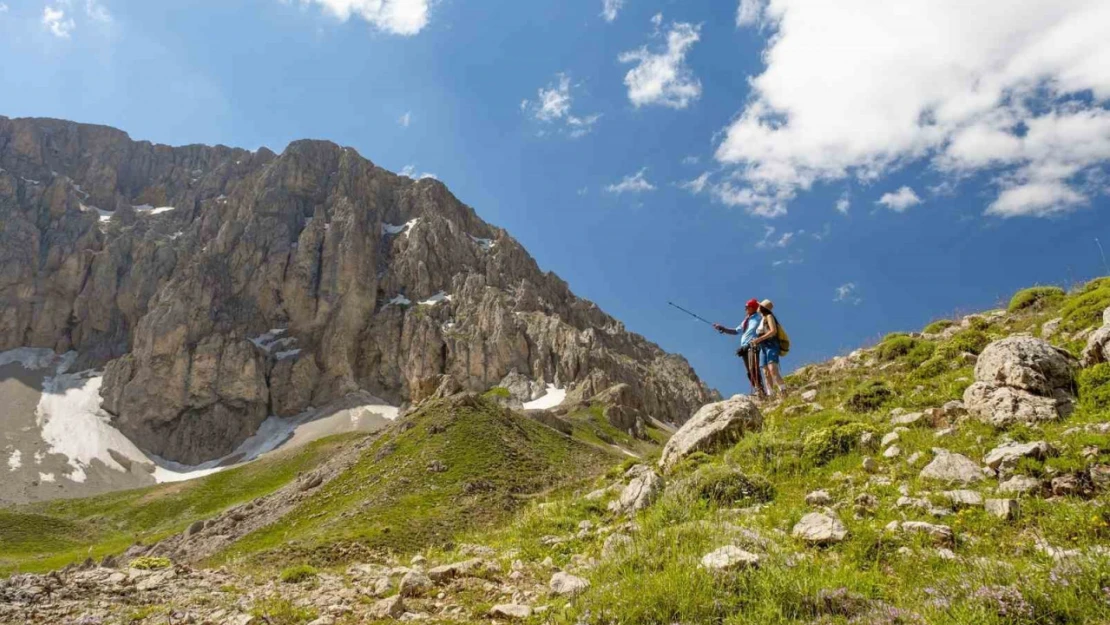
x: 749, y: 329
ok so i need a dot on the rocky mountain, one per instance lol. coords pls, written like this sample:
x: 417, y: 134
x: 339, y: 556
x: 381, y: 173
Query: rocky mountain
x: 216, y: 286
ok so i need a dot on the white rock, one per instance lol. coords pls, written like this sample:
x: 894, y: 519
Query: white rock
x: 512, y: 611
x: 1020, y: 484
x: 1009, y: 453
x: 963, y: 498
x: 889, y: 438
x: 1002, y: 508
x: 712, y: 427
x: 390, y: 607
x: 950, y: 467
x: 892, y: 452
x: 820, y: 528
x: 729, y: 558
x: 566, y: 584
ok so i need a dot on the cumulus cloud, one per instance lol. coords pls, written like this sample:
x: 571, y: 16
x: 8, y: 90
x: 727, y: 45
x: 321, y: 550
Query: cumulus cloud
x: 769, y: 239
x: 900, y: 200
x: 397, y: 17
x: 3, y: 8
x: 410, y: 172
x: 856, y: 89
x: 662, y: 77
x: 847, y: 293
x: 635, y: 183
x: 553, y: 106
x: 610, y: 8
x: 405, y: 120
x: 749, y: 12
x: 55, y: 21
x: 97, y: 11
x: 843, y: 204
x: 697, y: 185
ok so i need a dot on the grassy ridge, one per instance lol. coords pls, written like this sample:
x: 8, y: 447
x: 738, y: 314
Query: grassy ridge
x: 455, y: 465
x: 49, y: 535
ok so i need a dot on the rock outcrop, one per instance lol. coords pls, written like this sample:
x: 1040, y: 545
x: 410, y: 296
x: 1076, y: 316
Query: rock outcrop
x: 217, y: 286
x: 712, y: 427
x: 1021, y: 379
x: 1097, y: 349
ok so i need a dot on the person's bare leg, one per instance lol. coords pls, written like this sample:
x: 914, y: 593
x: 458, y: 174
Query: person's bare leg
x: 776, y: 377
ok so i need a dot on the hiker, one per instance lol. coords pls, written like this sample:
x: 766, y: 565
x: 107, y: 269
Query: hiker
x: 769, y: 346
x: 748, y: 330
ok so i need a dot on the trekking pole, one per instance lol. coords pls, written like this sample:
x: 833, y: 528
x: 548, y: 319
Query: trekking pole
x: 690, y: 313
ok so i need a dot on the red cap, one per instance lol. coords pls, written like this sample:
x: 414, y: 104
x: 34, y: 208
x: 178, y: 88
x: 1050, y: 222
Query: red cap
x: 752, y: 303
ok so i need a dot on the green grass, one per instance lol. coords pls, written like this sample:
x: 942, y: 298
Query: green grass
x: 895, y: 346
x: 298, y: 573
x: 1037, y: 296
x: 150, y: 563
x: 50, y: 535
x: 390, y: 500
x: 869, y: 396
x: 497, y: 392
x: 1084, y: 309
x: 938, y: 326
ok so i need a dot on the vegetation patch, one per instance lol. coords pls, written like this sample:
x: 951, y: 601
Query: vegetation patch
x: 1084, y: 309
x: 297, y: 574
x: 840, y: 437
x: 895, y: 346
x: 869, y: 396
x: 938, y: 326
x: 497, y: 392
x: 1035, y: 297
x: 275, y: 610
x: 150, y: 563
x: 724, y: 485
x: 1094, y: 390
x: 971, y: 341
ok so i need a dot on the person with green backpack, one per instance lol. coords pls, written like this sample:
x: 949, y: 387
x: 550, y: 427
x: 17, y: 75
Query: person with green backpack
x: 773, y: 343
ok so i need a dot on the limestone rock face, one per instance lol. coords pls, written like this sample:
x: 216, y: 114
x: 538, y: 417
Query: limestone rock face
x: 1021, y: 379
x: 216, y: 286
x: 1097, y: 349
x: 712, y: 427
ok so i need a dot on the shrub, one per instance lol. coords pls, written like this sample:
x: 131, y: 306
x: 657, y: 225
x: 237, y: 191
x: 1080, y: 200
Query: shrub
x: 932, y: 367
x: 727, y: 486
x: 938, y: 326
x: 841, y: 437
x: 894, y: 335
x: 276, y: 610
x: 1094, y: 389
x: 1085, y: 309
x: 150, y: 563
x: 692, y: 462
x: 920, y: 353
x: 869, y: 396
x: 1037, y: 296
x: 298, y: 573
x: 972, y: 341
x: 497, y: 392
x: 895, y: 346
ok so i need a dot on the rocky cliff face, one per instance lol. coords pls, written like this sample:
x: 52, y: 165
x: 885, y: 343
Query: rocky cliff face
x: 217, y: 286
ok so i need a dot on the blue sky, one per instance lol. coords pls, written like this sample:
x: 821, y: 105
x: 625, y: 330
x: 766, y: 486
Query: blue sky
x: 965, y: 148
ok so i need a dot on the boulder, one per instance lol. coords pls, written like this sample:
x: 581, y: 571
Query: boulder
x: 729, y: 558
x: 963, y: 498
x: 447, y: 572
x: 644, y: 488
x: 1021, y: 379
x: 952, y: 468
x: 1021, y: 484
x: 820, y: 528
x: 712, y: 427
x: 1005, y: 509
x: 1007, y: 454
x: 819, y: 498
x: 390, y: 607
x: 941, y: 534
x: 565, y: 584
x: 414, y: 583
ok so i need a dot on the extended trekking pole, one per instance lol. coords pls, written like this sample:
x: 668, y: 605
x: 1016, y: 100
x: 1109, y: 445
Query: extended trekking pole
x: 690, y: 313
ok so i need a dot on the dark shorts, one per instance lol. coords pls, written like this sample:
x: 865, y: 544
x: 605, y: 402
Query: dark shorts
x: 769, y: 352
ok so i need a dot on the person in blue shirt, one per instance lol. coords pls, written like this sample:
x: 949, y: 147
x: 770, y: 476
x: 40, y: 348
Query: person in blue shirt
x: 749, y: 353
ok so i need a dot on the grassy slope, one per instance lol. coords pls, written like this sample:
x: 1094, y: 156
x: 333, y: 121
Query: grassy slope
x: 999, y: 576
x: 390, y: 500
x: 45, y: 536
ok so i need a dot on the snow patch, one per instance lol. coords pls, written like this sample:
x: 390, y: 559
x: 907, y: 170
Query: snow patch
x: 15, y: 460
x: 553, y: 397
x: 485, y: 244
x: 400, y: 300
x: 270, y: 341
x: 403, y: 228
x: 289, y: 353
x: 435, y: 299
x: 147, y: 209
x: 46, y: 477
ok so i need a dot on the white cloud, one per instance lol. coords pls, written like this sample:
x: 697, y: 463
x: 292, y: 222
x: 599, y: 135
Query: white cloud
x: 900, y: 200
x: 583, y: 191
x: 690, y: 160
x: 405, y: 119
x: 3, y: 8
x: 610, y: 8
x: 859, y: 88
x: 553, y: 106
x: 847, y: 293
x: 54, y: 19
x: 398, y: 17
x: 657, y: 20
x: 769, y: 240
x: 697, y: 185
x: 843, y: 204
x: 410, y: 172
x: 749, y: 12
x: 663, y: 77
x: 636, y: 183
x: 97, y: 11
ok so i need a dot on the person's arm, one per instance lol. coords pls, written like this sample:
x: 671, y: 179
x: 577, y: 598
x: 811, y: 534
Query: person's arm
x: 724, y: 329
x: 772, y: 330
